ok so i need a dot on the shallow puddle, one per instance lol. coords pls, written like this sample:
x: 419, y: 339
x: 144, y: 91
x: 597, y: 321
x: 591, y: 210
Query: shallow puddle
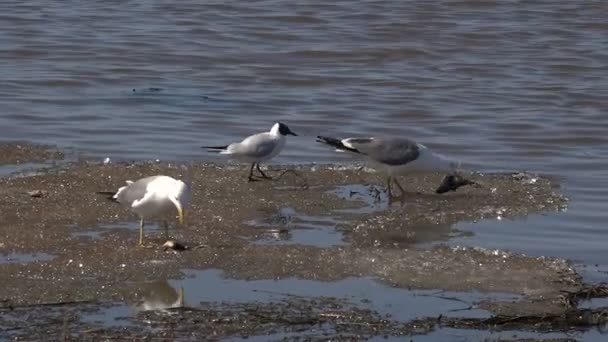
x: 24, y: 258
x: 372, y: 197
x: 155, y: 295
x: 593, y: 274
x: 201, y: 288
x: 158, y: 295
x: 499, y: 231
x: 89, y: 234
x: 594, y: 303
x: 290, y: 227
x: 210, y: 287
x: 399, y: 304
x: 109, y: 316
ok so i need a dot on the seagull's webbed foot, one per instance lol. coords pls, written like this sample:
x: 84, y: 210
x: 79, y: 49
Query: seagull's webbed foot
x: 262, y: 172
x: 396, y: 199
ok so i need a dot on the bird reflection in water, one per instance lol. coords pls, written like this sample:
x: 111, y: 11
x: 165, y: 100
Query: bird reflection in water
x: 159, y: 295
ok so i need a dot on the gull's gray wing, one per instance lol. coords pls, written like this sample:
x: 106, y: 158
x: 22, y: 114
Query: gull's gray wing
x: 390, y: 151
x: 134, y: 191
x: 255, y: 146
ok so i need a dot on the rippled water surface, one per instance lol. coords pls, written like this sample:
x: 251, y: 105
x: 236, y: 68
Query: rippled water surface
x: 500, y: 85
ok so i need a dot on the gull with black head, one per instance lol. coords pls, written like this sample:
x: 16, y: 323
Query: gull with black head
x: 393, y: 156
x: 257, y: 148
x: 154, y: 197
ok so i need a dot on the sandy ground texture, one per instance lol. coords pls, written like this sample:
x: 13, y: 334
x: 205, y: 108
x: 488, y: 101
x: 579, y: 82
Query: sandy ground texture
x: 52, y: 213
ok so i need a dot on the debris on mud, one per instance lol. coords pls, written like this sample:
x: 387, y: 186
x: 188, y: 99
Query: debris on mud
x: 575, y: 319
x: 452, y: 182
x: 524, y: 177
x: 174, y: 246
x: 37, y: 193
x: 328, y: 317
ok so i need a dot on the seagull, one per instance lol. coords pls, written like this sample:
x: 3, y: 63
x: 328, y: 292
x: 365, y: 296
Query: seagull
x: 154, y: 196
x: 393, y: 156
x: 257, y: 148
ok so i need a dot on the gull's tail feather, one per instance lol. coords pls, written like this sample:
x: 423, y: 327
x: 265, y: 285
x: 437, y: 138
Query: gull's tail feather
x: 337, y: 143
x: 215, y: 148
x: 110, y: 195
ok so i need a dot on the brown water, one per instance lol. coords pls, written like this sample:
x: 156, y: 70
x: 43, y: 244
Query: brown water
x: 505, y: 85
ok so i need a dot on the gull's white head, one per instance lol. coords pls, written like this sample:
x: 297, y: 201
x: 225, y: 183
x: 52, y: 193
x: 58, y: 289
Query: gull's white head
x: 282, y: 129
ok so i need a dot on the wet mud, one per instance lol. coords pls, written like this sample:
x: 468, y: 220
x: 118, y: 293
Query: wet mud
x: 23, y: 152
x: 252, y: 231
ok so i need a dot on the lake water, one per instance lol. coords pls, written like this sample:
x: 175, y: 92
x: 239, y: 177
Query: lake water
x: 500, y: 85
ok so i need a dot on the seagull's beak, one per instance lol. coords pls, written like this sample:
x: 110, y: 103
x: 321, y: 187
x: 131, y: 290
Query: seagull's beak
x: 180, y: 297
x: 180, y: 215
x: 180, y: 210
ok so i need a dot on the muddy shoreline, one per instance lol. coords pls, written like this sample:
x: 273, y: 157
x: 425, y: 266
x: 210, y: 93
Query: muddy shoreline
x: 91, y: 260
x: 23, y: 152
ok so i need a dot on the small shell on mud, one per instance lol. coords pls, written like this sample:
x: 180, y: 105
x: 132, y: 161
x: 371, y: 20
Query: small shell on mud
x: 38, y: 193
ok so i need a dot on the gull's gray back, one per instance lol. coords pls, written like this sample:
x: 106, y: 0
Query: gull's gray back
x: 255, y: 146
x: 390, y: 151
x: 134, y: 191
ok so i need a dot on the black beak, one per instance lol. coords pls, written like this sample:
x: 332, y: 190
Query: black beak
x: 292, y: 133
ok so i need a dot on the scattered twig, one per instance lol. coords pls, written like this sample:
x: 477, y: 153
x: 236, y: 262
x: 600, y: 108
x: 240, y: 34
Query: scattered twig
x: 291, y: 295
x: 587, y: 293
x: 463, y: 309
x: 438, y: 295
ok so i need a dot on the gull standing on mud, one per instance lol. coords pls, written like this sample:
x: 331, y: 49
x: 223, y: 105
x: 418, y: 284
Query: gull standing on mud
x: 257, y: 148
x: 154, y: 196
x: 393, y: 156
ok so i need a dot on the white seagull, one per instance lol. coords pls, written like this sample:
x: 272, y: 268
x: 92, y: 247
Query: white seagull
x: 257, y: 148
x: 154, y: 197
x: 393, y: 156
